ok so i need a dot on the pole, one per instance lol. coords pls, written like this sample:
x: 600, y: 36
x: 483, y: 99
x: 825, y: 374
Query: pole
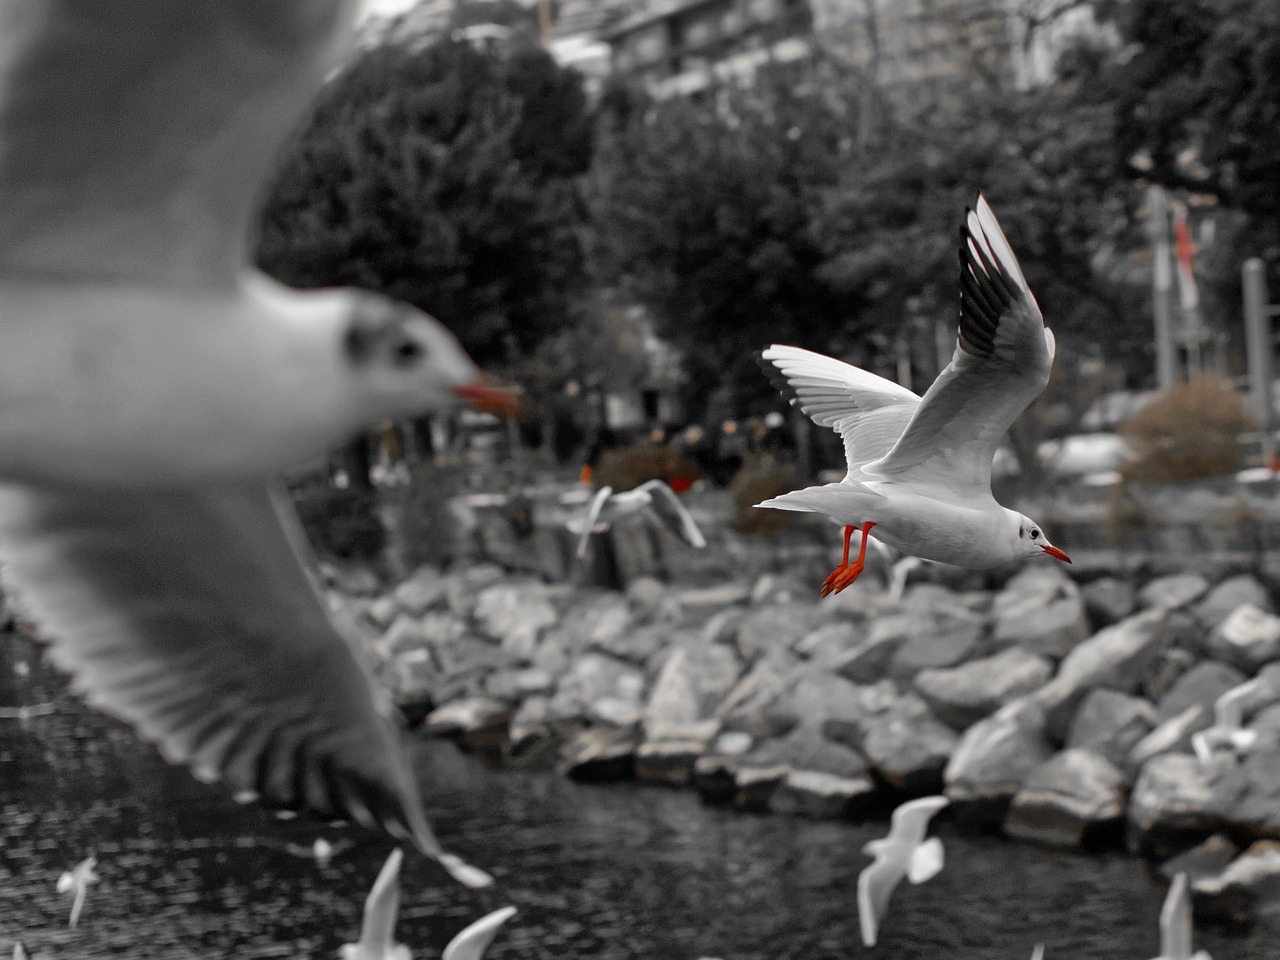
x: 1257, y: 326
x: 1162, y: 287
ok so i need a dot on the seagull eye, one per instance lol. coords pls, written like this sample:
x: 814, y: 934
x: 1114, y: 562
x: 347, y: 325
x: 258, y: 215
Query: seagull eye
x: 1034, y: 533
x: 408, y: 352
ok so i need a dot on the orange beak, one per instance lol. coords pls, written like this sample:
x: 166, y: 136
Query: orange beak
x: 1055, y: 553
x: 491, y: 398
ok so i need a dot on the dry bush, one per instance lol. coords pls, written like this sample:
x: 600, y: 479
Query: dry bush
x: 760, y: 477
x: 1193, y: 431
x: 628, y: 467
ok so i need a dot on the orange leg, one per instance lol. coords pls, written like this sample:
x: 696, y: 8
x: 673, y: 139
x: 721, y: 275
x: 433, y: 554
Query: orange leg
x: 846, y: 573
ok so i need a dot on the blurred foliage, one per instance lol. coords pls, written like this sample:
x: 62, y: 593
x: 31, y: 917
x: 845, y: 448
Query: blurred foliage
x: 1192, y: 432
x: 444, y: 177
x: 625, y: 468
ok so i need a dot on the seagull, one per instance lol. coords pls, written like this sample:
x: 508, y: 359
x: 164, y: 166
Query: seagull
x: 904, y: 853
x: 607, y: 508
x: 1227, y: 729
x: 1037, y: 952
x: 920, y: 467
x: 19, y: 951
x: 76, y: 881
x: 26, y: 712
x: 153, y: 386
x: 1175, y: 924
x: 381, y: 907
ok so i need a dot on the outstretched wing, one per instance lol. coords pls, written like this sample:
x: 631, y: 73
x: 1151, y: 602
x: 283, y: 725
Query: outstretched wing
x: 135, y: 135
x: 187, y: 613
x: 1002, y: 361
x: 876, y: 884
x: 381, y: 909
x: 584, y: 524
x: 867, y: 411
x: 910, y: 821
x: 472, y: 942
x: 666, y: 505
x: 1175, y: 920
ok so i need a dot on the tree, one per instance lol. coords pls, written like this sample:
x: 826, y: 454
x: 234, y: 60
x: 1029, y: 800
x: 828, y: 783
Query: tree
x: 433, y: 175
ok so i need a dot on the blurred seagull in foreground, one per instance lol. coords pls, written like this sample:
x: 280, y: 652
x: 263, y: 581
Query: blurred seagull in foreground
x: 76, y: 881
x: 1175, y: 924
x: 607, y: 508
x: 381, y: 909
x: 153, y: 384
x: 903, y: 853
x: 920, y: 468
x: 1228, y: 725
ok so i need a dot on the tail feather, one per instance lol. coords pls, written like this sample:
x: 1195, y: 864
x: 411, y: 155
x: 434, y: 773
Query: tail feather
x: 828, y: 498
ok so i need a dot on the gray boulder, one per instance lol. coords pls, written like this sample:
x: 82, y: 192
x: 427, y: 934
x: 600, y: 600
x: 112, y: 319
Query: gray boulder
x: 424, y: 589
x: 669, y: 757
x: 803, y: 773
x: 1108, y: 600
x: 1040, y: 610
x: 463, y: 585
x: 1115, y: 657
x: 963, y: 695
x: 1075, y: 797
x: 1206, y: 859
x: 1245, y: 887
x: 1172, y: 736
x: 600, y: 686
x: 1247, y: 794
x: 600, y: 754
x: 831, y: 642
x: 1228, y: 595
x: 992, y: 760
x: 515, y: 614
x: 945, y: 641
x: 908, y: 746
x: 1173, y: 591
x: 1248, y: 638
x: 776, y: 627
x: 1202, y: 684
x: 1172, y: 805
x: 1111, y: 724
x: 694, y: 679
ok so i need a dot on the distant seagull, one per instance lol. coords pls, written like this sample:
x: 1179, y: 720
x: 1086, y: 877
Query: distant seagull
x: 904, y: 853
x: 919, y: 469
x: 1037, y: 952
x: 27, y: 712
x: 153, y: 385
x: 321, y: 850
x: 381, y: 909
x: 607, y: 508
x: 1227, y: 729
x: 76, y: 881
x: 1175, y: 924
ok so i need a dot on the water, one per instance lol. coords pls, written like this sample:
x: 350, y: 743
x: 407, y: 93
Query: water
x: 601, y: 872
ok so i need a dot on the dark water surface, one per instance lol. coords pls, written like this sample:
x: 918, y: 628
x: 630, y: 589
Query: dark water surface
x: 601, y: 872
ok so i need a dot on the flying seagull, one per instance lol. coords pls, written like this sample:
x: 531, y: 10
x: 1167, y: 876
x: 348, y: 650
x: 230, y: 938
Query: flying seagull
x: 76, y: 882
x: 1228, y: 725
x: 903, y: 853
x: 153, y: 385
x: 655, y: 496
x: 381, y: 909
x: 920, y: 467
x: 1175, y: 924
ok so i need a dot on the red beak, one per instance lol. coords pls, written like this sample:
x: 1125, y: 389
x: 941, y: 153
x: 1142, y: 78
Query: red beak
x: 489, y: 398
x: 1055, y: 553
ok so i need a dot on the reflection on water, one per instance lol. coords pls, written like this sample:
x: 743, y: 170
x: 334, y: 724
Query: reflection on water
x: 607, y: 873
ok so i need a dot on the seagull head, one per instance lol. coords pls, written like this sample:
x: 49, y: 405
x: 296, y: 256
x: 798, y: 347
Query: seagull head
x: 1028, y: 539
x: 407, y: 363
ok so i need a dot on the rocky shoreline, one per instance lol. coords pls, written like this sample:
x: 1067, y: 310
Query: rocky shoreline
x: 1051, y: 711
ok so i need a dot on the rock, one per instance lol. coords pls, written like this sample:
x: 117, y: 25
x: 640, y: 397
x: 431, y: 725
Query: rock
x: 908, y: 746
x: 1115, y: 657
x: 802, y: 773
x: 639, y: 644
x: 1171, y: 806
x: 480, y: 721
x: 414, y: 680
x: 1205, y: 859
x: 714, y: 772
x: 868, y: 661
x: 1230, y: 594
x: 515, y: 684
x: 649, y: 596
x: 535, y: 734
x: 1111, y: 724
x: 755, y: 704
x: 961, y: 696
x: 381, y: 612
x: 777, y: 588
x: 515, y: 614
x: 463, y: 586
x: 1173, y: 591
x: 358, y: 581
x: 599, y: 623
x: 1076, y: 797
x: 1108, y: 600
x: 1247, y: 795
x: 1172, y: 736
x: 831, y: 642
x: 1202, y: 684
x: 600, y: 754
x: 405, y: 633
x: 776, y: 627
x: 1248, y: 638
x: 596, y: 679
x: 693, y: 681
x: 949, y: 640
x: 422, y: 590
x: 1169, y: 664
x: 992, y: 760
x: 670, y: 759
x: 728, y: 594
x: 1247, y: 885
x: 466, y: 660
x: 1040, y: 610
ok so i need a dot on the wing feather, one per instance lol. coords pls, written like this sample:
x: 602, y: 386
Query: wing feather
x: 135, y: 135
x: 1002, y: 362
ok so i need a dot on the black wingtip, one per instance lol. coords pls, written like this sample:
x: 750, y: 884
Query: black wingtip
x: 776, y: 377
x: 986, y: 293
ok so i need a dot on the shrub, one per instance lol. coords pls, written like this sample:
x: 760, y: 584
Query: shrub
x: 760, y: 477
x: 628, y: 467
x: 1193, y: 431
